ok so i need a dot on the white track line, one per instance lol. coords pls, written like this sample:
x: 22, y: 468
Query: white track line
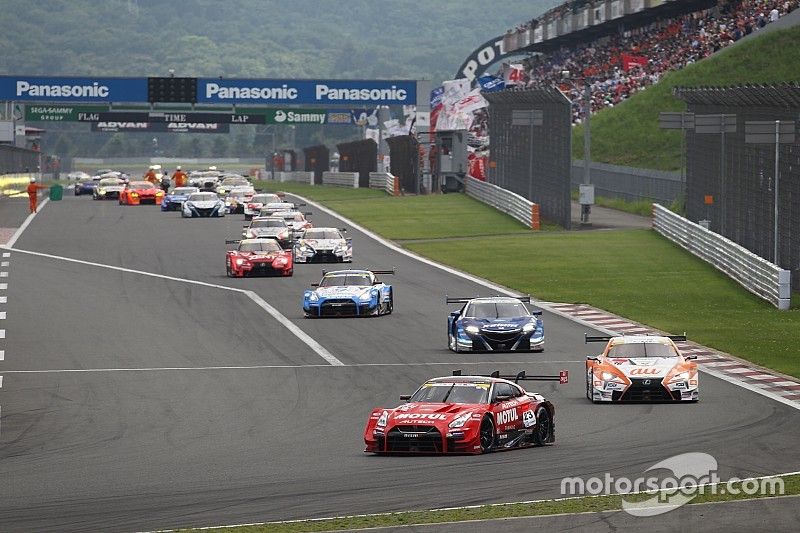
x: 288, y: 324
x: 270, y: 367
x: 24, y: 225
x: 504, y: 290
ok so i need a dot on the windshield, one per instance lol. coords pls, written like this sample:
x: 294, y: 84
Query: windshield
x: 203, y: 197
x: 496, y: 310
x: 642, y: 349
x: 344, y: 280
x: 322, y: 234
x: 260, y: 246
x: 184, y: 190
x: 235, y: 181
x: 273, y: 223
x: 452, y: 393
x: 265, y: 198
x: 110, y: 181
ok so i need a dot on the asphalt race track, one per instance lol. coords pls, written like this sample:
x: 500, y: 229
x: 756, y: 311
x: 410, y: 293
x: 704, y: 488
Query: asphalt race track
x: 131, y: 401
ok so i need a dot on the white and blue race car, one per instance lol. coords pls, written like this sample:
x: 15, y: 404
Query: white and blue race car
x: 349, y: 293
x: 494, y: 324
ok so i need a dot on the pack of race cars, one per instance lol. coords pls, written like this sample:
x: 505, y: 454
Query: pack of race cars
x: 461, y: 414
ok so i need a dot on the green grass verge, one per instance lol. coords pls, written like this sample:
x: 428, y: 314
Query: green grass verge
x: 628, y: 134
x: 791, y: 486
x: 435, y: 216
x: 639, y: 207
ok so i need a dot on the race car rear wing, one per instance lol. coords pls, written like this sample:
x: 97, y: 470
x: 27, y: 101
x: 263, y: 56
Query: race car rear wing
x: 562, y: 377
x: 449, y: 300
x: 392, y: 271
x: 606, y: 338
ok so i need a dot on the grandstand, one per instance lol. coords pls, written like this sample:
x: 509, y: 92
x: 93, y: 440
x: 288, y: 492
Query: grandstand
x: 621, y: 48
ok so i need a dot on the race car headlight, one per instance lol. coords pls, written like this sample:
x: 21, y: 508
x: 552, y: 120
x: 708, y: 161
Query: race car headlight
x: 188, y: 204
x: 313, y: 297
x: 527, y: 328
x: 383, y: 420
x: 281, y: 261
x: 251, y: 235
x: 365, y: 297
x: 608, y: 376
x: 472, y: 329
x: 680, y: 376
x: 134, y: 194
x: 101, y: 191
x: 239, y: 262
x: 460, y: 420
x: 283, y: 235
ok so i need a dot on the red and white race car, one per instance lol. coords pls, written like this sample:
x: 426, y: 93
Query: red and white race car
x: 466, y: 415
x: 253, y: 207
x: 140, y: 192
x: 641, y: 368
x: 258, y: 257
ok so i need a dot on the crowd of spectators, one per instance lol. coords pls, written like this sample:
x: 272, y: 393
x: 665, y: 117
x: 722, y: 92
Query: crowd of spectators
x: 620, y: 65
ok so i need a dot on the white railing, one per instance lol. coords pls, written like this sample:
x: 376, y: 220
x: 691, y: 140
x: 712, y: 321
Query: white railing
x: 341, y: 179
x: 508, y: 202
x: 297, y: 176
x: 383, y: 180
x: 754, y: 273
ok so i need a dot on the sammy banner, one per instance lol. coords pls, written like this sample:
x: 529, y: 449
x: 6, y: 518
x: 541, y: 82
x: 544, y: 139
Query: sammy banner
x: 491, y: 83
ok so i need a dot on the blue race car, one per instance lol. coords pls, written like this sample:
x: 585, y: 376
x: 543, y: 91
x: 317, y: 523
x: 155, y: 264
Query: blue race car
x: 173, y: 199
x: 495, y: 324
x: 85, y: 186
x: 349, y: 293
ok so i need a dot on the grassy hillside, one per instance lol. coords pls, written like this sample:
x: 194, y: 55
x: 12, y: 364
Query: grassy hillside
x: 629, y: 135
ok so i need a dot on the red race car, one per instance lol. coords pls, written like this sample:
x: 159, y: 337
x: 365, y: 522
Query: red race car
x: 254, y: 257
x: 141, y: 192
x: 466, y: 415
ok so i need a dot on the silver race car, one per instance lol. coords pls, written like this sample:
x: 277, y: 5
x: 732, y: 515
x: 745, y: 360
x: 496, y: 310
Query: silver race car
x: 323, y: 245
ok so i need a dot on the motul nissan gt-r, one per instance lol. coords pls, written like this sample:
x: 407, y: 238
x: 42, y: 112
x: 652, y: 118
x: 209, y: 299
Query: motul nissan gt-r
x: 465, y: 414
x: 323, y: 245
x: 641, y: 368
x: 141, y: 192
x: 258, y: 257
x: 495, y: 324
x: 349, y: 293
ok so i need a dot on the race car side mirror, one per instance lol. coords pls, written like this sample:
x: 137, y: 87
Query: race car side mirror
x: 315, y: 284
x: 592, y: 358
x: 405, y: 397
x: 690, y: 357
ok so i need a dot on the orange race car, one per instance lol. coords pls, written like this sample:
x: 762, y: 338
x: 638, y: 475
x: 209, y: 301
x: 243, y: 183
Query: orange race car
x: 641, y: 368
x: 141, y: 192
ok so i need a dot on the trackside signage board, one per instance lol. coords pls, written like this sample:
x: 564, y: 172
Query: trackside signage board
x: 48, y: 89
x: 320, y: 92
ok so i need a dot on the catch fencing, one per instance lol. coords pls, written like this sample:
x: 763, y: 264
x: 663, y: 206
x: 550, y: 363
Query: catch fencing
x: 297, y: 176
x: 533, y: 160
x: 508, y: 202
x: 341, y: 179
x: 629, y: 183
x: 754, y: 273
x: 731, y: 183
x: 385, y: 181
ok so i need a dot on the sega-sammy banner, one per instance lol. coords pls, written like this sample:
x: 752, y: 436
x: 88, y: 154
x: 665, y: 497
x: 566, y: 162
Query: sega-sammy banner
x: 57, y: 89
x: 324, y: 92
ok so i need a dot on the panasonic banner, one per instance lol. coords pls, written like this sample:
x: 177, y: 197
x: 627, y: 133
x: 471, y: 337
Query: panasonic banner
x: 49, y: 89
x: 322, y: 92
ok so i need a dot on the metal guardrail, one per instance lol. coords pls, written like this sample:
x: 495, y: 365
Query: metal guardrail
x: 385, y: 181
x: 298, y: 176
x: 341, y: 179
x: 754, y: 273
x: 508, y: 202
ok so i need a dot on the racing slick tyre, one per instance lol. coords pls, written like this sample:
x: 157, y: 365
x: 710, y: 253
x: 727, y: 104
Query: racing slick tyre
x: 544, y: 427
x: 589, y: 388
x: 455, y: 347
x: 228, y: 270
x: 487, y: 434
x: 390, y: 303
